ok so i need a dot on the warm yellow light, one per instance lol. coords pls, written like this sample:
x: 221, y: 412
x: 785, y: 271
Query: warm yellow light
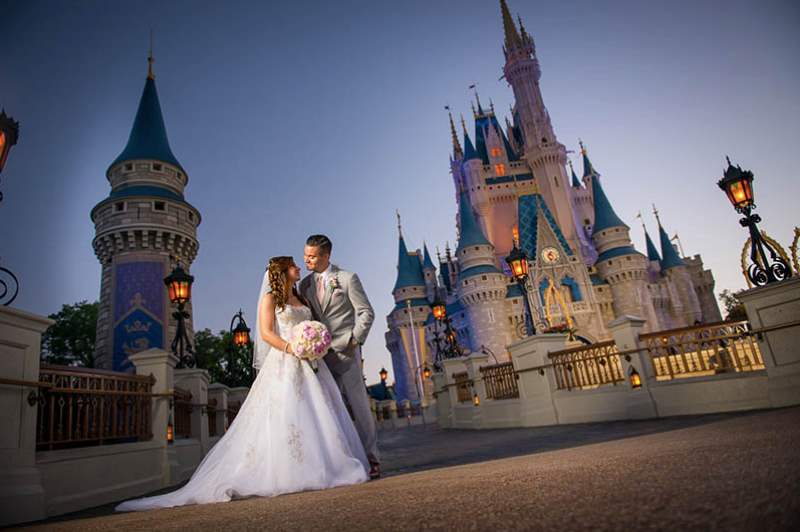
x: 170, y: 433
x: 476, y: 400
x: 636, y: 380
x: 495, y: 152
x: 439, y: 310
x: 500, y: 169
x: 2, y: 142
x: 515, y: 233
x: 426, y: 372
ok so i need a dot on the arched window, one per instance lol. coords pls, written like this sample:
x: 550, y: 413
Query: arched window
x: 574, y: 289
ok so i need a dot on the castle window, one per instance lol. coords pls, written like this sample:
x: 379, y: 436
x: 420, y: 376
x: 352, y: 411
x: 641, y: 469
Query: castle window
x: 191, y: 215
x: 555, y: 180
x: 157, y: 167
x: 495, y: 152
x: 128, y: 166
x: 119, y: 206
x: 586, y: 221
x: 483, y: 277
x: 500, y: 169
x: 628, y: 257
x: 158, y: 206
x: 544, y: 140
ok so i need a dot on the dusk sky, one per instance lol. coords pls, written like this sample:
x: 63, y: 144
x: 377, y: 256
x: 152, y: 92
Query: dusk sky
x: 294, y: 118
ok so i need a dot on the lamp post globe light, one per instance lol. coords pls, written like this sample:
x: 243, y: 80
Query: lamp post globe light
x: 179, y: 288
x: 240, y: 337
x: 738, y: 187
x: 383, y: 374
x: 446, y: 340
x: 518, y: 262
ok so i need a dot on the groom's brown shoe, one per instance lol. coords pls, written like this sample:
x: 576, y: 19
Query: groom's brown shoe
x: 374, y: 470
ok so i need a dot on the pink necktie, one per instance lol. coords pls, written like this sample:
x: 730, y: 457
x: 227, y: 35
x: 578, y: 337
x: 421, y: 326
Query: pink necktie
x: 320, y: 289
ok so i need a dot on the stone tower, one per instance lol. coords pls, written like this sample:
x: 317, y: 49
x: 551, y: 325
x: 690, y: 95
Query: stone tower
x: 142, y: 229
x: 482, y: 287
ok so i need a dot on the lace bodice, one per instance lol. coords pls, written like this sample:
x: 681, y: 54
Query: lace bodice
x: 290, y: 316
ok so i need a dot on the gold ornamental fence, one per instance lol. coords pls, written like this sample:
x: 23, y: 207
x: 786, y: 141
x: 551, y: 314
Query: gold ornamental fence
x: 500, y: 380
x: 587, y: 367
x: 80, y: 407
x: 703, y: 350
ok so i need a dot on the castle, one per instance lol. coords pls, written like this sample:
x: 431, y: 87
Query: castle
x: 143, y: 229
x: 512, y: 186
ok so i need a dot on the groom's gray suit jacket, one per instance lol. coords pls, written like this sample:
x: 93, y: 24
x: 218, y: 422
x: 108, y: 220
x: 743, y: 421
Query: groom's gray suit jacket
x: 346, y: 311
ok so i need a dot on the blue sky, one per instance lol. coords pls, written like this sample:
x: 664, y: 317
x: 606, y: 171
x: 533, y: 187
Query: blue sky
x: 294, y: 118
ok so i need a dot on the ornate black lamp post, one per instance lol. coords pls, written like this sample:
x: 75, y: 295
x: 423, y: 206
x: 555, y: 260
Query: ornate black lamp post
x: 446, y: 341
x: 518, y: 262
x: 179, y: 287
x: 383, y: 374
x: 9, y: 133
x: 738, y: 186
x: 240, y: 337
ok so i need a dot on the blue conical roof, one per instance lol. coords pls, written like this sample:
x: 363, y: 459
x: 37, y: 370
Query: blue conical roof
x: 148, y: 138
x: 575, y: 182
x: 652, y: 252
x: 470, y: 231
x: 604, y: 215
x: 427, y: 262
x: 588, y: 169
x: 469, y: 149
x: 670, y: 256
x: 409, y: 270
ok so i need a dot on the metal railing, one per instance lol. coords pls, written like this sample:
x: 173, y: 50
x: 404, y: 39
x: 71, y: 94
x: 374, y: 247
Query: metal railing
x: 183, y: 412
x: 703, y: 350
x: 81, y: 407
x: 463, y: 386
x: 587, y: 367
x: 500, y: 380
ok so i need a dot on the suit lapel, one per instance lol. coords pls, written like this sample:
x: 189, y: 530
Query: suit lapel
x: 311, y: 293
x: 328, y: 290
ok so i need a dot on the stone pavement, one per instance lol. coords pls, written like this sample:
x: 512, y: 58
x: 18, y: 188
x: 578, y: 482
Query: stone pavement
x: 722, y: 471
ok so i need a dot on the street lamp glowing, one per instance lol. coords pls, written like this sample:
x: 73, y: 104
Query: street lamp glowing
x: 518, y: 262
x: 738, y: 186
x: 384, y: 374
x: 9, y: 133
x: 241, y: 333
x: 439, y: 309
x: 426, y: 372
x: 179, y: 285
x: 636, y: 380
x: 476, y: 400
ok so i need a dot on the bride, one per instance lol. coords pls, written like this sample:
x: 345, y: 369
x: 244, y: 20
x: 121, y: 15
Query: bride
x: 292, y: 432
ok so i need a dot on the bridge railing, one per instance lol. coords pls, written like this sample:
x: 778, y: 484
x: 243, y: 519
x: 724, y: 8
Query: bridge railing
x: 500, y: 380
x: 587, y: 367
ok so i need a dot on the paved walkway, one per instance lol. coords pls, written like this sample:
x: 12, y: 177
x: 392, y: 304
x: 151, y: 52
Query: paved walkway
x: 731, y: 472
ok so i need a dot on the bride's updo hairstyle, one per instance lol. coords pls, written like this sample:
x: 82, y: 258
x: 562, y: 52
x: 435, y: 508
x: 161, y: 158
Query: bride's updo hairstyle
x: 277, y: 268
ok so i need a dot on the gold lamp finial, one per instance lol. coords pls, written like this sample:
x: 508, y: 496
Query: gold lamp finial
x: 655, y: 212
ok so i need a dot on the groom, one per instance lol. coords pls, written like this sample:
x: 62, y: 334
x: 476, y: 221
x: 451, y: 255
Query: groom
x: 339, y: 301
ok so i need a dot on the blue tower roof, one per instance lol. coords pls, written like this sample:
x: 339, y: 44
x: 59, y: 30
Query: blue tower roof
x: 148, y: 138
x: 529, y: 207
x: 575, y: 182
x: 408, y: 273
x: 427, y: 262
x: 670, y: 256
x: 652, y: 252
x: 588, y: 169
x: 469, y: 149
x: 470, y: 231
x: 604, y: 215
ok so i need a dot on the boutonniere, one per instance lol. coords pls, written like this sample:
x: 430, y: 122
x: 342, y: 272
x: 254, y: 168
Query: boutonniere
x: 333, y: 283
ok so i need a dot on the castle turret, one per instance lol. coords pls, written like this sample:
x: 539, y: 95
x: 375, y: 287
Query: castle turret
x: 429, y: 273
x: 686, y: 305
x: 618, y: 262
x: 481, y: 285
x: 142, y: 230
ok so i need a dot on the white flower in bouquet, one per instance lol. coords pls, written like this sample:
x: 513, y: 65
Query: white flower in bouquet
x: 310, y: 341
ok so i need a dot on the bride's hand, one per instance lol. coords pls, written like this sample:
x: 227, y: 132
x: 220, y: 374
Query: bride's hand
x: 289, y: 350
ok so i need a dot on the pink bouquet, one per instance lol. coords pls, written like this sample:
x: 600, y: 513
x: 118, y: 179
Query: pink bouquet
x: 310, y: 341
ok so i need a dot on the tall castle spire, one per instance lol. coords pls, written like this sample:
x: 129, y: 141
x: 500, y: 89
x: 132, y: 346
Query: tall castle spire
x: 669, y: 257
x: 458, y: 153
x: 512, y: 38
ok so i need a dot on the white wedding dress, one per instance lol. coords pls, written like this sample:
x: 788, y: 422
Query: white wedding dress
x: 292, y: 433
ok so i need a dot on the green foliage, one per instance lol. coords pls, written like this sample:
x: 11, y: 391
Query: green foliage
x: 70, y: 340
x: 224, y: 362
x: 734, y: 309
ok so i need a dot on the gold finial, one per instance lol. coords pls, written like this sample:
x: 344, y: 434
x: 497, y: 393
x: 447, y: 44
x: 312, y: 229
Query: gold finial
x: 456, y: 144
x: 150, y: 59
x: 655, y: 212
x: 642, y: 219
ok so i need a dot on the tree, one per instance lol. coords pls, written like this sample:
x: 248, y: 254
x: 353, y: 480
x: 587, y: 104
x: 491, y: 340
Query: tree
x: 734, y: 309
x: 224, y: 362
x: 70, y: 340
